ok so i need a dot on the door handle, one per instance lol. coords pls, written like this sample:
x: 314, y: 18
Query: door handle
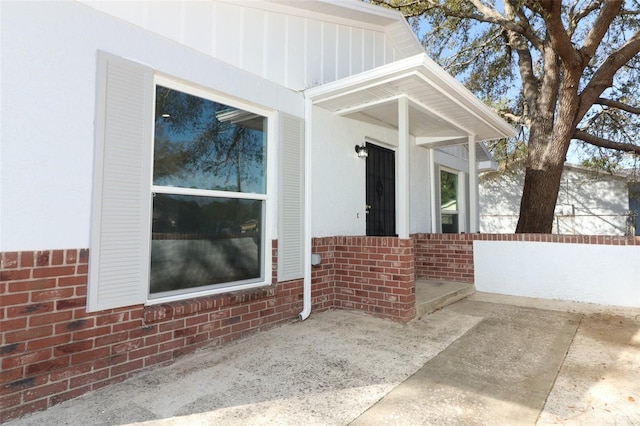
x: 368, y: 207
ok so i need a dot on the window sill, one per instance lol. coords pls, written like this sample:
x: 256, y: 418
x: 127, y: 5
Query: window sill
x: 170, y: 310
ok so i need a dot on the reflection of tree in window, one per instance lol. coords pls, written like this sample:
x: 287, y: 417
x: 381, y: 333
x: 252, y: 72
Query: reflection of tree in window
x: 203, y: 144
x: 449, y: 202
x: 201, y: 238
x: 448, y: 191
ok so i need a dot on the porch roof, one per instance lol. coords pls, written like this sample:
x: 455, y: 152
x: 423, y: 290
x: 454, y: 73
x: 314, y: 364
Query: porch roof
x: 442, y: 111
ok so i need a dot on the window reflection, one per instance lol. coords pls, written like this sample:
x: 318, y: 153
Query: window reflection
x: 201, y: 241
x: 449, y: 202
x: 203, y: 144
x: 448, y: 191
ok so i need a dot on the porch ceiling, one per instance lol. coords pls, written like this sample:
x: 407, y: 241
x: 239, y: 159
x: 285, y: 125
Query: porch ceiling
x: 441, y: 110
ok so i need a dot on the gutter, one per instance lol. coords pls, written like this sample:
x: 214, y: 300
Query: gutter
x: 306, y: 287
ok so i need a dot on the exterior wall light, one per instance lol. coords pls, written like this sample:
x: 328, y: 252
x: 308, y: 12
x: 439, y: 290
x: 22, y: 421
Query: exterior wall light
x: 362, y: 151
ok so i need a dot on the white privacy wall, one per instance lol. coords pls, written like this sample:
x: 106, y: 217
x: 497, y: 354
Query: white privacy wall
x: 603, y: 274
x: 48, y: 88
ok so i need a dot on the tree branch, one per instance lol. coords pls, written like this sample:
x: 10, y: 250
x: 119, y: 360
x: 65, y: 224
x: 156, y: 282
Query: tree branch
x: 600, y: 27
x: 603, y: 77
x: 516, y: 119
x: 605, y: 143
x: 484, y: 14
x: 530, y: 83
x: 512, y: 8
x: 479, y: 49
x: 618, y: 105
x: 559, y: 37
x: 574, y: 19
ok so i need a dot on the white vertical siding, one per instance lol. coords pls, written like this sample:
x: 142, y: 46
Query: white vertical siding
x: 378, y: 50
x: 253, y: 53
x: 197, y: 30
x: 227, y: 33
x: 343, y: 52
x: 294, y: 51
x: 329, y: 37
x: 369, y: 51
x: 356, y: 51
x: 314, y: 50
x: 275, y: 47
x: 164, y: 18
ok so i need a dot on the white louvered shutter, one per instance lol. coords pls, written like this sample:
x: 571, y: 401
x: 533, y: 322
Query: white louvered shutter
x: 119, y: 252
x: 291, y: 195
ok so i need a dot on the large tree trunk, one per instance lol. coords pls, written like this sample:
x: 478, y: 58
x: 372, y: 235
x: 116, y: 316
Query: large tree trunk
x: 549, y: 141
x: 539, y: 197
x: 542, y: 179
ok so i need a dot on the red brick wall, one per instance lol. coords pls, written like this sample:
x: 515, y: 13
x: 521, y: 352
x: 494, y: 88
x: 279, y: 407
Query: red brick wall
x: 375, y: 275
x: 52, y: 350
x: 450, y: 256
x: 446, y: 257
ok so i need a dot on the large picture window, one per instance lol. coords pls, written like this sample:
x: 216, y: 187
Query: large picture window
x: 208, y: 194
x: 180, y: 203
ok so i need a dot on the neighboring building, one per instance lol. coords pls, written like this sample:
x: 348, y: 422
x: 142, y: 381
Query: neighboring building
x: 168, y: 167
x: 589, y: 202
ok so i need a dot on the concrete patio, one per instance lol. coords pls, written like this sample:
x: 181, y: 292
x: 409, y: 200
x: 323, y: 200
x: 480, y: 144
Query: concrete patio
x: 487, y: 359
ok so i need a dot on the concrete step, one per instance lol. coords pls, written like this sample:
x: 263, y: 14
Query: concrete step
x: 432, y: 295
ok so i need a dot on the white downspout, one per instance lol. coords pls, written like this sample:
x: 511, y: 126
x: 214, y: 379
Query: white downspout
x: 306, y: 287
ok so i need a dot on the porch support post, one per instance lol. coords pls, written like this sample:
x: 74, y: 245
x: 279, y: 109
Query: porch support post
x: 474, y: 216
x: 433, y: 179
x: 403, y: 167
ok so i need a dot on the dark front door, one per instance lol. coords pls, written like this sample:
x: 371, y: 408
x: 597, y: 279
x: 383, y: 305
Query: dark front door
x: 381, y: 191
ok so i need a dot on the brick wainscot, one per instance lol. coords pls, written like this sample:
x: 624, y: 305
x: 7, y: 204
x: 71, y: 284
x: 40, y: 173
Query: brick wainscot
x: 53, y: 350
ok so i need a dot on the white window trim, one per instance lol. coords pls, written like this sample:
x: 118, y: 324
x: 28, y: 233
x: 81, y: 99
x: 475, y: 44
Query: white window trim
x: 267, y: 228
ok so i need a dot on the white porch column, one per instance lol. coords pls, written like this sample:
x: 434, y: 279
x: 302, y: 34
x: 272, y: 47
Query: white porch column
x: 474, y: 217
x: 435, y: 190
x: 403, y: 167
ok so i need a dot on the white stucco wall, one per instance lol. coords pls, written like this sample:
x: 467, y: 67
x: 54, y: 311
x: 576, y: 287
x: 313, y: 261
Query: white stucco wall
x: 48, y: 89
x: 48, y: 102
x: 603, y: 274
x: 338, y: 182
x: 588, y: 204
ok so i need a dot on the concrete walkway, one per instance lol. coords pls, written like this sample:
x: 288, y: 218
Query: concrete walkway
x: 484, y: 360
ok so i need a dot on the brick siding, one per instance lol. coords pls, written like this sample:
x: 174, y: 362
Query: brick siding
x: 52, y: 350
x: 375, y: 275
x: 449, y: 257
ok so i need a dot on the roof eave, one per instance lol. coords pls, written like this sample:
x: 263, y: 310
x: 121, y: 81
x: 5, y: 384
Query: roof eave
x: 431, y: 72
